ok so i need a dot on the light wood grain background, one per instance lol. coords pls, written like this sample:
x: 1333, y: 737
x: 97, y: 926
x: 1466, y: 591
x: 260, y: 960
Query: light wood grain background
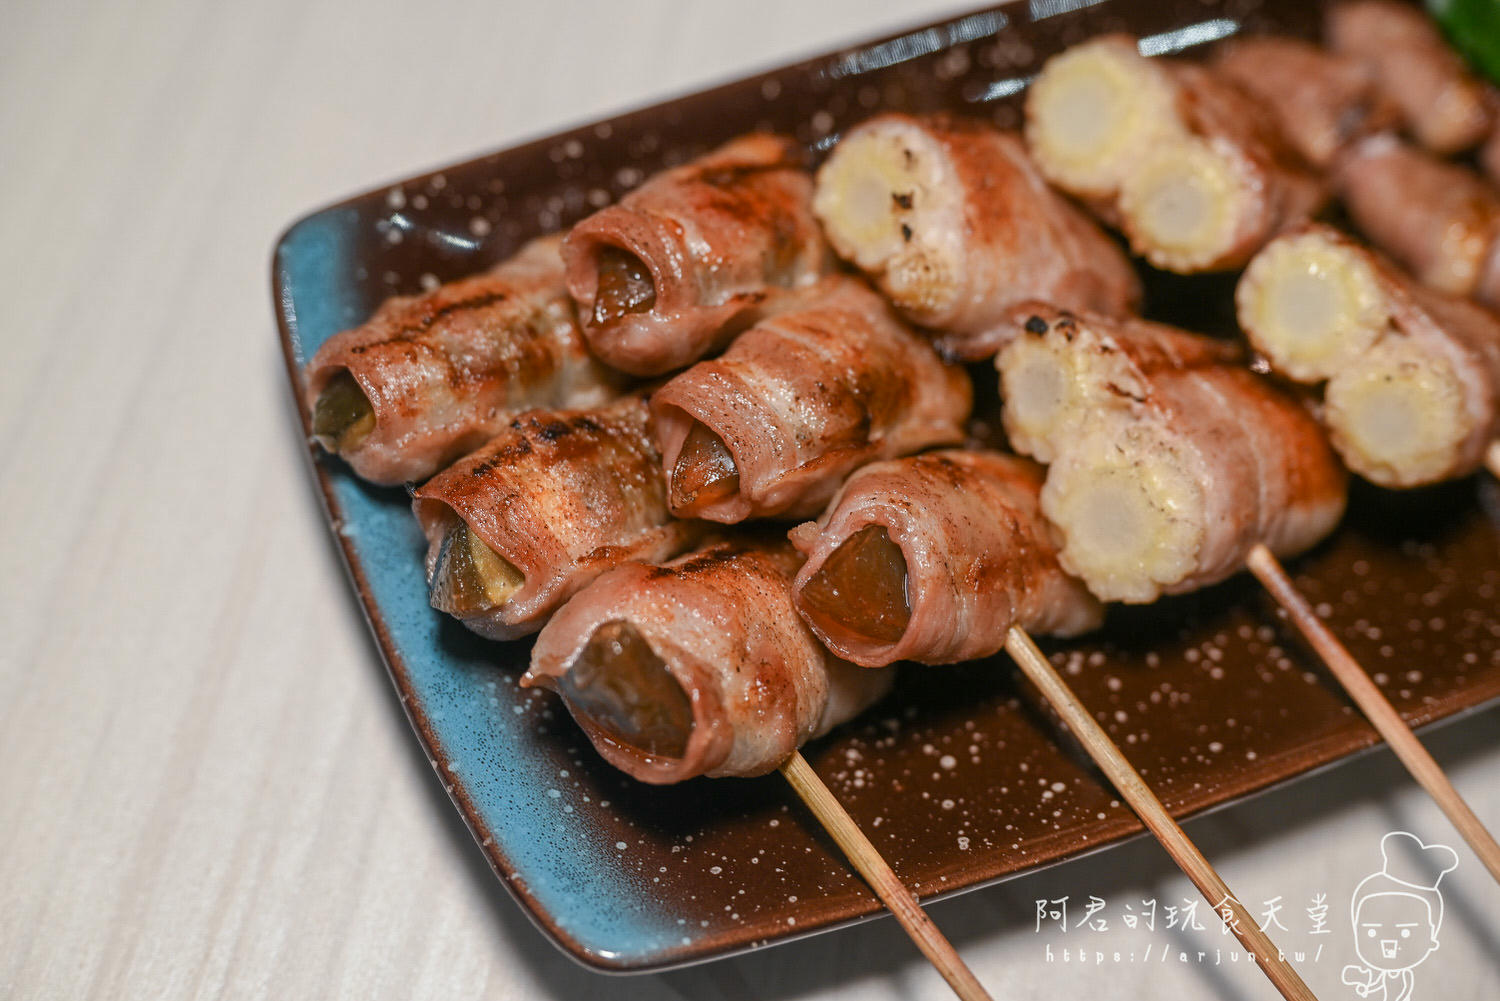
x: 206, y: 786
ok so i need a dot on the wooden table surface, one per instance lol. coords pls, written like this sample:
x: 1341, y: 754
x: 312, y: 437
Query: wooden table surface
x: 207, y: 788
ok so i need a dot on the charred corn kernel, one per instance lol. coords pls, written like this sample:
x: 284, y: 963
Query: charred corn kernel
x: 1130, y: 515
x: 704, y: 473
x: 1399, y: 416
x: 343, y: 416
x: 862, y: 587
x: 1310, y: 306
x: 886, y: 198
x: 623, y: 687
x: 1182, y: 205
x: 1093, y: 111
x: 470, y: 577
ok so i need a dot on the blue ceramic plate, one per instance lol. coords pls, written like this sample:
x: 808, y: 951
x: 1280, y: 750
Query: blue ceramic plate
x: 959, y: 777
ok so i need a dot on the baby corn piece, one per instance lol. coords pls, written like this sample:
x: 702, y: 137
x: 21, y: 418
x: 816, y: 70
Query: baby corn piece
x: 1185, y: 203
x: 1311, y: 303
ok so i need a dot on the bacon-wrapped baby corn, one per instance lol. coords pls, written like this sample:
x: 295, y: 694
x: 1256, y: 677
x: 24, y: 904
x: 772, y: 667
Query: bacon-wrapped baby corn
x: 554, y: 500
x: 955, y: 225
x: 430, y: 377
x: 678, y: 266
x: 772, y: 427
x: 1322, y: 101
x: 1192, y: 168
x: 1439, y: 220
x: 934, y: 558
x: 1443, y: 105
x: 698, y: 667
x: 1167, y: 488
x: 1413, y: 376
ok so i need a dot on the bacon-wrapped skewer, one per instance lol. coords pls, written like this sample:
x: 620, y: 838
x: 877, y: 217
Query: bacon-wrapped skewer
x: 1205, y: 472
x: 934, y: 558
x: 955, y: 224
x: 1439, y: 220
x: 702, y: 667
x: 1193, y: 168
x: 771, y: 427
x: 680, y: 265
x: 1443, y: 105
x: 1322, y: 101
x: 1413, y: 376
x: 551, y: 502
x: 432, y: 376
x: 1166, y: 488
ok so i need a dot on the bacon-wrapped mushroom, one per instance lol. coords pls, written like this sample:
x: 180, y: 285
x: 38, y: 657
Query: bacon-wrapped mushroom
x: 1443, y: 105
x: 698, y: 667
x: 1413, y: 375
x: 1439, y: 220
x: 955, y: 225
x: 772, y: 427
x: 934, y: 558
x: 433, y: 376
x: 681, y: 264
x: 554, y: 500
x: 1166, y: 488
x: 1193, y: 169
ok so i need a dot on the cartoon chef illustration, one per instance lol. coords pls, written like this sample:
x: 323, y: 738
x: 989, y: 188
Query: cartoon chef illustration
x: 1397, y: 912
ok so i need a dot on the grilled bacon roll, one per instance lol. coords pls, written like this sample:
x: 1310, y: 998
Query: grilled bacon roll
x: 933, y: 558
x: 551, y: 502
x: 1413, y: 394
x: 1442, y: 104
x: 1322, y: 101
x: 955, y: 224
x: 1066, y: 367
x: 1439, y: 220
x: 679, y: 265
x: 1165, y: 488
x: 430, y: 377
x: 771, y: 427
x: 698, y: 667
x: 1193, y: 169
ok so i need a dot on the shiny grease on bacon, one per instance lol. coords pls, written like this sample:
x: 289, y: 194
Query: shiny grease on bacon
x: 953, y: 222
x: 432, y: 376
x: 555, y: 499
x: 1191, y: 167
x: 678, y: 266
x: 1413, y: 375
x: 698, y: 667
x: 934, y: 558
x: 1164, y: 489
x: 830, y: 382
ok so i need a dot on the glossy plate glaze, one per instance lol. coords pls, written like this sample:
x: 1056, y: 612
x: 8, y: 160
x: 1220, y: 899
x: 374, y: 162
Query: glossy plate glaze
x: 960, y: 778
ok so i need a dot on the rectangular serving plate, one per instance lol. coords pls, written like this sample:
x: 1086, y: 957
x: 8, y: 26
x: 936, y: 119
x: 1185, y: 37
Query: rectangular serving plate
x: 959, y: 778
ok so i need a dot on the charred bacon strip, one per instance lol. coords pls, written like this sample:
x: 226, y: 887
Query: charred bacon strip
x: 551, y: 502
x: 934, y: 558
x: 682, y: 263
x: 433, y: 376
x: 698, y: 667
x: 955, y: 225
x: 771, y: 428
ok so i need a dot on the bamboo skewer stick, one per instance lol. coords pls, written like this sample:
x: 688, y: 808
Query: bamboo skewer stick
x: 1381, y: 714
x: 1144, y: 802
x: 877, y: 872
